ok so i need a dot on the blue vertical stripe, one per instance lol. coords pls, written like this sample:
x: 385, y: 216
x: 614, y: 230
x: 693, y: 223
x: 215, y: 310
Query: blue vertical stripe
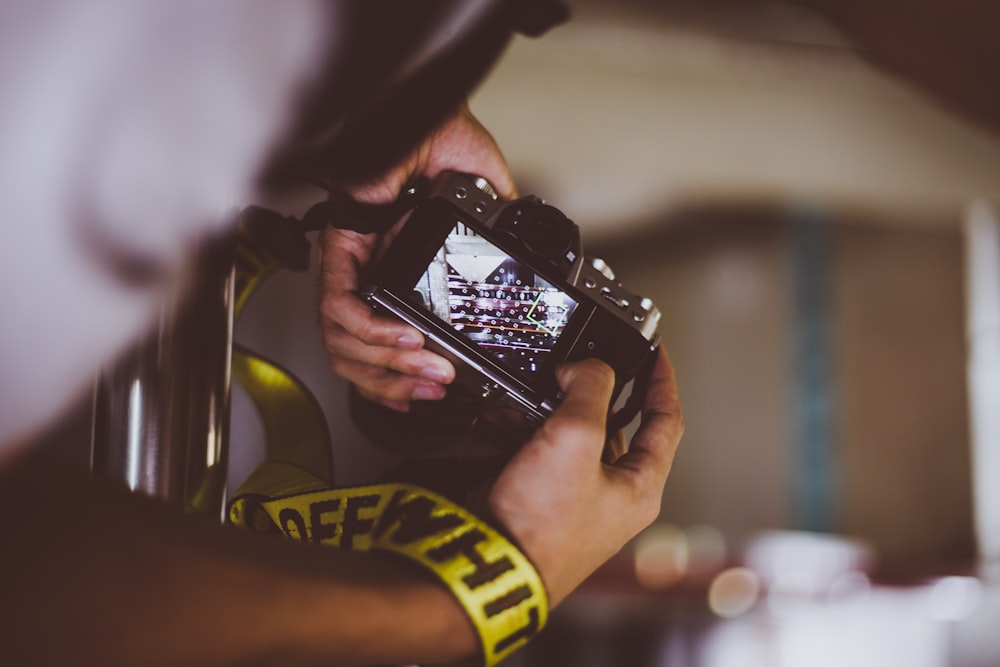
x: 814, y: 467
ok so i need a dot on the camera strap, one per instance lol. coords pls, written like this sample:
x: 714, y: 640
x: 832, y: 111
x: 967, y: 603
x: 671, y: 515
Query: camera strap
x: 292, y: 492
x: 624, y: 415
x: 341, y: 211
x: 496, y: 585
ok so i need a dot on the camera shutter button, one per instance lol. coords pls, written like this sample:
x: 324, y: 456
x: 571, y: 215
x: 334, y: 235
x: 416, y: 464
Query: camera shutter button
x: 603, y: 267
x: 486, y: 188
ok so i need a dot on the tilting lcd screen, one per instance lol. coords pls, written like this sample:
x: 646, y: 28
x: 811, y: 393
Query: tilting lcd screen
x: 494, y: 300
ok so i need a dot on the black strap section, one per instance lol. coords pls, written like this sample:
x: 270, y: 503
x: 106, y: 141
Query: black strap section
x: 269, y: 233
x: 636, y: 399
x: 343, y: 212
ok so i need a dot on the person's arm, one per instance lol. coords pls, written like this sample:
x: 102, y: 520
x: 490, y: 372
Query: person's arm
x: 384, y: 357
x: 93, y: 574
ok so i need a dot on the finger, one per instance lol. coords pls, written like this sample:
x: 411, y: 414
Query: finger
x: 654, y: 445
x: 615, y: 447
x: 346, y: 311
x: 398, y: 406
x: 384, y: 385
x: 587, y: 387
x: 423, y: 363
x: 345, y: 253
x: 461, y: 143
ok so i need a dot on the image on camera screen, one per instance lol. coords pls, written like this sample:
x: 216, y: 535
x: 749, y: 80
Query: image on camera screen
x: 494, y: 300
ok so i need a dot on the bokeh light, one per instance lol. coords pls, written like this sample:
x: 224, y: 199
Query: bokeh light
x: 661, y: 556
x: 706, y: 548
x: 734, y: 592
x: 954, y: 598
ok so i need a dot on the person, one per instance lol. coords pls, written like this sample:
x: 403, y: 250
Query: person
x: 174, y: 589
x: 126, y: 147
x: 95, y: 575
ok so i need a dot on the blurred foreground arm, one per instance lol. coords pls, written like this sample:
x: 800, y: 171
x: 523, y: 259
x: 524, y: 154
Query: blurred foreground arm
x: 93, y: 574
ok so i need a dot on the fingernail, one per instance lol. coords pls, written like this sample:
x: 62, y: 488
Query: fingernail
x: 398, y: 406
x: 437, y: 374
x: 410, y: 340
x: 428, y: 392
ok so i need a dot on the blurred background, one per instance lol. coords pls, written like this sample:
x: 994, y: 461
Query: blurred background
x: 822, y: 242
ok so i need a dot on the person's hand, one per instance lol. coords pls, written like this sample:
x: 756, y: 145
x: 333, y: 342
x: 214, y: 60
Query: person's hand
x: 569, y: 511
x: 384, y: 357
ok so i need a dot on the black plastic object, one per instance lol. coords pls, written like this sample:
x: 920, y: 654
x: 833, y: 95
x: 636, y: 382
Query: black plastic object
x: 343, y: 212
x: 546, y: 232
x: 395, y: 69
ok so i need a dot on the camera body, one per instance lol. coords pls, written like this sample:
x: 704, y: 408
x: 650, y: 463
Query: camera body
x: 504, y: 291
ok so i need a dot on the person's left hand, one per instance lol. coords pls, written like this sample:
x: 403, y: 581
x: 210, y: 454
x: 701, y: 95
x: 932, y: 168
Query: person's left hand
x: 385, y: 358
x: 568, y: 508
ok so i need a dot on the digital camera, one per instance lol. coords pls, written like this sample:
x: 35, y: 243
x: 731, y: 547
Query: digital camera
x: 504, y: 291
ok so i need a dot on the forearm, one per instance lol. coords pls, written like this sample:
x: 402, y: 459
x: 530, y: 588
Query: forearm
x: 93, y: 573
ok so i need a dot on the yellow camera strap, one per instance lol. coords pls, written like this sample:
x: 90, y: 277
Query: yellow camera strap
x: 299, y: 455
x: 291, y: 492
x: 494, y: 582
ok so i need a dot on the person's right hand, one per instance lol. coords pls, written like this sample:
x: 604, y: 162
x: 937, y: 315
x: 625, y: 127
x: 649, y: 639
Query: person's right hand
x: 567, y: 509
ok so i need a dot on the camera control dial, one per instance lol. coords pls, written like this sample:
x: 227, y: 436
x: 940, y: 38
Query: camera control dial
x: 546, y: 232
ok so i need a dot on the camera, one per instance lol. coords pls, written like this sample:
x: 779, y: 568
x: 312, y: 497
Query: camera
x: 504, y: 291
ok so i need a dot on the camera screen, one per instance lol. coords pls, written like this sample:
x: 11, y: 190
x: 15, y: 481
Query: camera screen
x: 494, y: 300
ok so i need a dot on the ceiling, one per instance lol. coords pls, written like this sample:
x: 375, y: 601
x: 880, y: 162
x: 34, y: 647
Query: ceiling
x: 632, y: 110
